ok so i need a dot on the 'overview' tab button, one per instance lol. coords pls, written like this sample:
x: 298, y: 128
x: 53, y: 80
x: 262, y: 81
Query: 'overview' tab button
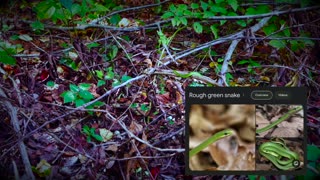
x: 261, y: 95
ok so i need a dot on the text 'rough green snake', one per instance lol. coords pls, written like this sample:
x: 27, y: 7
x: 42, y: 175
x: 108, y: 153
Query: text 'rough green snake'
x: 217, y: 136
x: 280, y: 155
x: 282, y: 118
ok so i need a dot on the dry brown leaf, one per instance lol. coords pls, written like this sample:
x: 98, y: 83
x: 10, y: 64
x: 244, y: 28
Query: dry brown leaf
x: 112, y: 147
x: 135, y: 128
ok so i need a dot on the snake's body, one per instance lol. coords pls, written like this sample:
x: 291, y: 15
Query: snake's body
x: 282, y: 118
x: 280, y: 155
x: 217, y: 136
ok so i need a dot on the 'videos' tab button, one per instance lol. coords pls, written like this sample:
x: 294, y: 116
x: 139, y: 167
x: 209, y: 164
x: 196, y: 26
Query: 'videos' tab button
x: 261, y: 95
x: 282, y: 95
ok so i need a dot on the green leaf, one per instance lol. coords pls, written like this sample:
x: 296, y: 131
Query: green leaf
x: 101, y: 83
x: 37, y: 25
x: 25, y: 37
x: 219, y: 1
x: 197, y: 27
x: 250, y: 11
x: 228, y: 77
x: 313, y: 152
x: 99, y: 8
x: 233, y: 4
x: 271, y: 28
x: 79, y: 102
x: 115, y: 83
x: 218, y: 9
x: 7, y: 59
x: 262, y: 9
x: 287, y: 32
x: 110, y: 74
x: 222, y: 22
x: 125, y: 78
x: 115, y: 19
x: 48, y: 14
x: 97, y: 137
x: 84, y: 8
x: 88, y: 138
x: 243, y: 62
x: 50, y: 83
x: 41, y: 9
x: 167, y: 15
x: 98, y: 104
x: 74, y: 88
x: 86, y: 130
x: 215, y: 31
x: 305, y: 3
x: 177, y: 20
x: 114, y: 51
x: 144, y: 108
x: 184, y: 21
x: 277, y: 44
x: 220, y: 60
x: 182, y: 7
x: 67, y: 4
x: 93, y: 45
x: 84, y: 86
x: 68, y: 96
x: 242, y: 23
x: 207, y: 14
x: 86, y: 95
x: 204, y: 5
x: 99, y: 74
x: 295, y: 45
x: 134, y: 105
x: 92, y: 131
x: 194, y: 6
x: 172, y: 8
x: 76, y: 8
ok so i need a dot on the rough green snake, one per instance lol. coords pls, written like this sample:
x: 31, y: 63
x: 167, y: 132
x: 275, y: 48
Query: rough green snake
x: 282, y: 118
x: 217, y: 136
x: 280, y: 155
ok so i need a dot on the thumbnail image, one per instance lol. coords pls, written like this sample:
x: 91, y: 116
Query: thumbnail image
x: 279, y: 154
x: 221, y: 137
x: 279, y: 120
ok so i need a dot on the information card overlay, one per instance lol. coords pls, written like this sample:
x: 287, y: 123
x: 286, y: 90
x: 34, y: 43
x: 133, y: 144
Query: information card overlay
x: 242, y: 130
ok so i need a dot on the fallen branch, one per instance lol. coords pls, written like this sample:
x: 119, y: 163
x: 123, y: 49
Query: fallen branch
x: 12, y: 111
x: 226, y: 61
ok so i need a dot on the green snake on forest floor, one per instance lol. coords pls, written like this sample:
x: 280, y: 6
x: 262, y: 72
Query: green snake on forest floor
x: 280, y: 155
x: 282, y: 118
x: 217, y: 136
